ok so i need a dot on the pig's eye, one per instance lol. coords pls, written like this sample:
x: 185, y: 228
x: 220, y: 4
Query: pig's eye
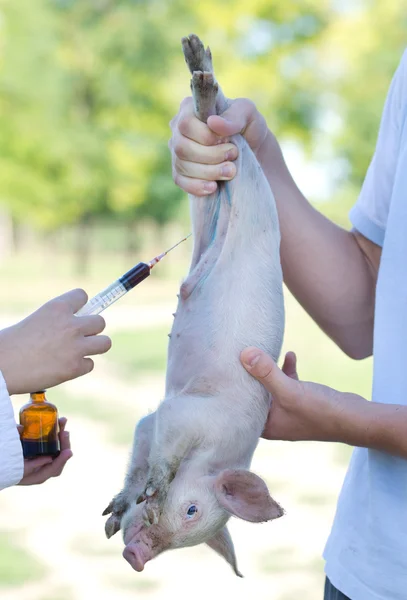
x: 192, y: 510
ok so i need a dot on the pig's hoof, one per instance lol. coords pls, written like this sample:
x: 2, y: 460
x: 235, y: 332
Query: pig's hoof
x: 108, y: 509
x: 112, y: 525
x: 151, y: 514
x: 141, y: 498
x: 118, y: 505
x: 196, y: 57
x: 205, y: 84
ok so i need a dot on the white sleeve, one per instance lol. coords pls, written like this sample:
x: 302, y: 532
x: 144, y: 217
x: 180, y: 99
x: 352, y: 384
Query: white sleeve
x: 369, y: 215
x: 11, y: 453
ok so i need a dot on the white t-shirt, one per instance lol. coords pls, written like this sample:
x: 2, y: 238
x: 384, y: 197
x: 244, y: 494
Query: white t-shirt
x: 366, y: 553
x: 11, y: 453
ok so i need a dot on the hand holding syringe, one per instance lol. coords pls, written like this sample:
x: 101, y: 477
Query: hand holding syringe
x: 121, y: 286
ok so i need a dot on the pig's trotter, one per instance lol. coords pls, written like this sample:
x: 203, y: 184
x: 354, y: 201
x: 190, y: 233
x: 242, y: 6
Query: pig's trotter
x: 156, y: 491
x: 108, y: 509
x: 154, y: 505
x: 141, y: 498
x: 204, y: 90
x: 117, y: 507
x: 196, y: 57
x: 112, y: 525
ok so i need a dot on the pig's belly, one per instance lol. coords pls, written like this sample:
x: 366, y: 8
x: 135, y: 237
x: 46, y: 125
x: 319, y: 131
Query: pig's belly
x: 232, y: 297
x: 238, y: 304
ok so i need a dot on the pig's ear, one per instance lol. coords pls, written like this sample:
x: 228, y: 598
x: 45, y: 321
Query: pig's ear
x: 223, y: 545
x: 246, y: 496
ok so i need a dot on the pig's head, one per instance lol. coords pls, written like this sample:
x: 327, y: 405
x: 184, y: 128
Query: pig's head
x: 196, y: 510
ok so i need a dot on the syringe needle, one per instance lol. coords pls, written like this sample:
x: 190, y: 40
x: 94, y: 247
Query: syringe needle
x: 121, y: 286
x: 160, y: 256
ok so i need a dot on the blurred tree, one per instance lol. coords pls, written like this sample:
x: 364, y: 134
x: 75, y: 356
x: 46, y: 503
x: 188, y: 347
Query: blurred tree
x: 87, y: 88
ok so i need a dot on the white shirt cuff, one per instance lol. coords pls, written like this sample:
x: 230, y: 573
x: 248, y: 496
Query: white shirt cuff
x: 11, y: 452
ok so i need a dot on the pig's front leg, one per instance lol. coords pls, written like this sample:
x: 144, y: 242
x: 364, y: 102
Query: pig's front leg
x: 136, y: 476
x: 175, y: 436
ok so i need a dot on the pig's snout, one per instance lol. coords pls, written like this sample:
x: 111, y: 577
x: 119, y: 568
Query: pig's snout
x: 136, y: 556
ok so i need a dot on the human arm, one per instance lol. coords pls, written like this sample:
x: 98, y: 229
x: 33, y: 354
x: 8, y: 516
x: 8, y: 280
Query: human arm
x: 331, y: 271
x: 308, y: 411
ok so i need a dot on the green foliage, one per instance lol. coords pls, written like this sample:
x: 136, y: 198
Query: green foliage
x: 144, y: 351
x: 88, y: 87
x: 17, y: 566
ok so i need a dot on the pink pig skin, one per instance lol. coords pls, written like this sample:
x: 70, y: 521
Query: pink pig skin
x: 189, y: 469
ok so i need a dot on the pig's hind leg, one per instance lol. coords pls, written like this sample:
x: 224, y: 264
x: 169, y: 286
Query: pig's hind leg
x: 210, y: 215
x: 136, y: 476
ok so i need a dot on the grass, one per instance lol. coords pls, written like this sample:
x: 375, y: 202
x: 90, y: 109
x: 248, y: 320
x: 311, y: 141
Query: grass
x: 17, y: 566
x: 137, y: 353
x: 278, y: 560
x: 143, y: 351
x: 119, y: 425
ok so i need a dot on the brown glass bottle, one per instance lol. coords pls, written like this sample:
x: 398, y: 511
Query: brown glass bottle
x: 39, y: 419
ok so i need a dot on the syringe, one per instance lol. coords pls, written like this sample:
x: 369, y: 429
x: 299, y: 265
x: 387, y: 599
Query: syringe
x: 122, y: 285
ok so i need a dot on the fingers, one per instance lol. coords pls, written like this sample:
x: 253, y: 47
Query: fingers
x: 235, y: 119
x: 223, y: 171
x: 91, y: 325
x: 194, y: 129
x: 186, y: 149
x: 33, y: 464
x: 75, y: 298
x: 85, y: 367
x: 290, y: 365
x: 197, y: 187
x: 54, y: 469
x: 62, y: 421
x: 98, y: 344
x: 58, y: 464
x: 264, y: 369
x: 64, y: 437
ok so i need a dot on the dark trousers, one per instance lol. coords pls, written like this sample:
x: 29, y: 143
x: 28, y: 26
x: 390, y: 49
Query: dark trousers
x: 331, y: 593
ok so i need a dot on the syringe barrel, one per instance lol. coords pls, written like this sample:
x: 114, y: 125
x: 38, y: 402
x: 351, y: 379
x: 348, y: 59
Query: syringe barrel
x: 115, y: 291
x: 102, y: 300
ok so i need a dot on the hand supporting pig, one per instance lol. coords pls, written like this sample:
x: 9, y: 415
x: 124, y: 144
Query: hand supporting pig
x: 301, y: 410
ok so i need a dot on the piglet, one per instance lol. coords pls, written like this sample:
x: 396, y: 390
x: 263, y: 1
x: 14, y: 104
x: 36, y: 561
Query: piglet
x: 189, y: 468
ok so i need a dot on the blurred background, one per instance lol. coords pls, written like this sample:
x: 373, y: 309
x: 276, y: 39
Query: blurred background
x: 87, y: 90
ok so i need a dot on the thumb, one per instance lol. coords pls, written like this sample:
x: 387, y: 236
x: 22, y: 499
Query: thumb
x: 234, y: 120
x: 264, y: 369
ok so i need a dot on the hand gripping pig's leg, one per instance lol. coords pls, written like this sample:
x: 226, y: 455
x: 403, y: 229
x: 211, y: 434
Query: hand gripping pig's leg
x: 210, y: 215
x: 136, y: 476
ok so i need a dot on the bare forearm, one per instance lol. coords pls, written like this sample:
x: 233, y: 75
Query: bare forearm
x: 372, y: 425
x: 323, y: 264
